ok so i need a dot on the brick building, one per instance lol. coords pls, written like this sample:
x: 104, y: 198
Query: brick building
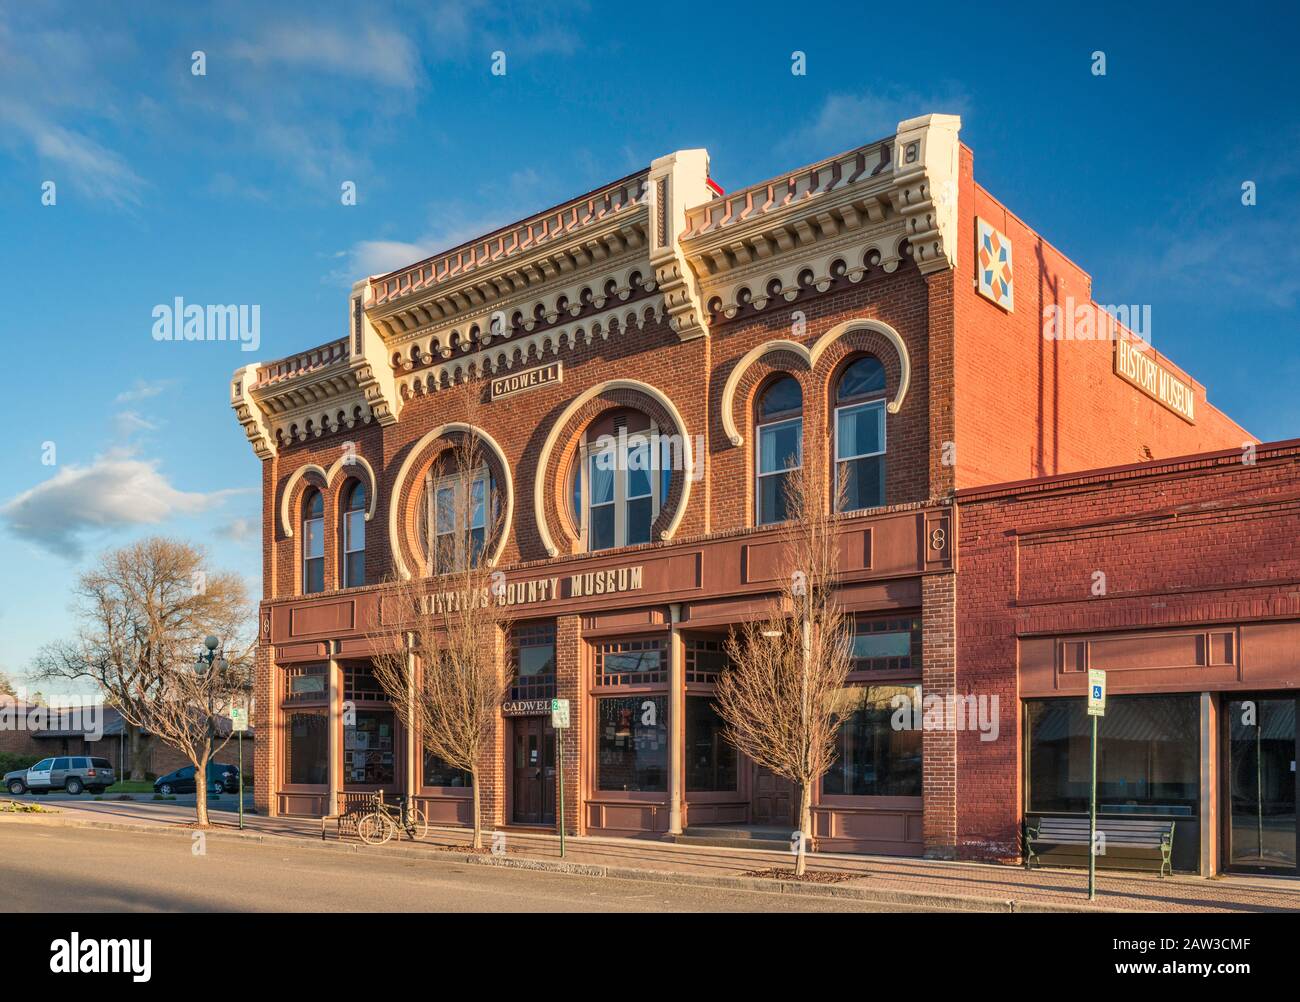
x: 1180, y: 579
x: 877, y: 312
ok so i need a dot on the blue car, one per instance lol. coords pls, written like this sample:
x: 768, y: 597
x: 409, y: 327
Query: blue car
x: 221, y: 779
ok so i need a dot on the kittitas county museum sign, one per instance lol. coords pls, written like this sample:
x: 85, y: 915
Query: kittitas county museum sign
x: 606, y: 582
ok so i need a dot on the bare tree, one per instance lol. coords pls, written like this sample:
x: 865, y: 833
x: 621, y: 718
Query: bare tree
x: 438, y: 646
x: 777, y: 699
x: 145, y: 610
x: 7, y: 685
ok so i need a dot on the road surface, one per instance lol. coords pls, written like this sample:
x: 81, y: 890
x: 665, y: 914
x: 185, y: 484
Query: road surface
x: 53, y: 869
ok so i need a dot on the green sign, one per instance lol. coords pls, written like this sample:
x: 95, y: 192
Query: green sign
x: 238, y: 718
x: 559, y: 713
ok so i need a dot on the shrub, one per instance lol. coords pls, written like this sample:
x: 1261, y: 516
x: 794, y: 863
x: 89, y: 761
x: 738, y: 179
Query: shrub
x: 11, y: 762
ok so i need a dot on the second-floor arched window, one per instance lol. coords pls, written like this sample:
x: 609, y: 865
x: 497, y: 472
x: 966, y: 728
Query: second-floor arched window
x: 779, y: 443
x: 354, y: 536
x: 860, y: 435
x: 313, y: 542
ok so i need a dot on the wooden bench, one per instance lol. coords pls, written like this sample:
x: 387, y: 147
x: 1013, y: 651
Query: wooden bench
x: 1138, y: 838
x: 355, y: 807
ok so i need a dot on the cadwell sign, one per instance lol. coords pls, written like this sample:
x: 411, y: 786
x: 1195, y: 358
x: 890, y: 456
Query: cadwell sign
x: 1135, y: 366
x: 529, y: 379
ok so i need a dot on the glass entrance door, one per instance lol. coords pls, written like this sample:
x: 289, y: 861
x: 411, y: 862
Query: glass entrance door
x: 1260, y: 734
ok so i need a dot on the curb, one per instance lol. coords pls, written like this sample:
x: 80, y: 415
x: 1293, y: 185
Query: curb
x: 922, y: 899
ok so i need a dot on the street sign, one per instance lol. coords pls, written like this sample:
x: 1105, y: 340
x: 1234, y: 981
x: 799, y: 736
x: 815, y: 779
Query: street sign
x: 1096, y: 692
x: 238, y: 718
x: 559, y: 713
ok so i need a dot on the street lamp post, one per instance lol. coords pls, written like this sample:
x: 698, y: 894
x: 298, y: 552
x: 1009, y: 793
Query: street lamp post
x: 217, y: 662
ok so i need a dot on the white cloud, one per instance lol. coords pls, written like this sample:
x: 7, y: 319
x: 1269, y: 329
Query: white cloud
x: 128, y: 423
x: 848, y: 120
x: 116, y: 491
x: 382, y: 55
x: 94, y: 170
x: 521, y: 195
x: 143, y: 390
x: 244, y: 529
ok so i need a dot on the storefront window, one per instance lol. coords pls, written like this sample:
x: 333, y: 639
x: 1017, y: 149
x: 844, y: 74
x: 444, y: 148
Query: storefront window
x: 438, y: 773
x: 632, y: 743
x: 1147, y: 755
x: 710, y: 759
x: 875, y: 758
x: 368, y: 749
x: 306, y: 747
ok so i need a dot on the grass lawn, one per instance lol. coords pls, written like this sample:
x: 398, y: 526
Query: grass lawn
x: 126, y: 786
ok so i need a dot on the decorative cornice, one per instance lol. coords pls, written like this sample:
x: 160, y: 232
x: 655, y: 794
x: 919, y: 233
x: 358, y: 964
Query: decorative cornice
x: 835, y: 219
x: 506, y: 355
x: 678, y: 180
x: 811, y: 355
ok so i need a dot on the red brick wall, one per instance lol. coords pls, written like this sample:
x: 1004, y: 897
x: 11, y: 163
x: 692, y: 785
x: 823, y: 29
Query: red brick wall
x: 1227, y: 536
x: 1027, y: 406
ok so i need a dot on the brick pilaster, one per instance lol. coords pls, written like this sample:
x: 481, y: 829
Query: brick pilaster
x: 569, y: 685
x: 939, y: 747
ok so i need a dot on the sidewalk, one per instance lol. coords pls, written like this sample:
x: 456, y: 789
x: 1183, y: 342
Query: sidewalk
x: 967, y: 886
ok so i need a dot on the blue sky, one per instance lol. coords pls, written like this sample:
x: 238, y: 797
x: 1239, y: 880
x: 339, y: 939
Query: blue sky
x: 224, y: 188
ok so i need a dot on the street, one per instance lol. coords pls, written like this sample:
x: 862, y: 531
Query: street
x: 52, y: 869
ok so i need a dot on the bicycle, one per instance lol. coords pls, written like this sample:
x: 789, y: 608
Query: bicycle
x: 383, y: 820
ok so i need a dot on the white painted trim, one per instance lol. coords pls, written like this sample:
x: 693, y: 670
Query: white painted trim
x: 405, y: 469
x: 811, y: 356
x: 286, y: 525
x: 544, y: 457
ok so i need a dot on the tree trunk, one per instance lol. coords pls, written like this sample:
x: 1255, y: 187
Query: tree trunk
x: 138, y: 744
x: 478, y: 819
x: 805, y: 823
x: 201, y: 791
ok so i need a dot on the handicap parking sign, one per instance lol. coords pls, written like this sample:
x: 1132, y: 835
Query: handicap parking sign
x: 1096, y: 692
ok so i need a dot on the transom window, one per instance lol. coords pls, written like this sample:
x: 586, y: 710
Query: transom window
x: 779, y: 441
x: 619, y: 483
x: 889, y: 644
x: 313, y: 542
x: 354, y: 537
x: 705, y: 660
x: 532, y: 656
x: 306, y: 684
x: 458, y: 520
x: 631, y: 662
x: 860, y: 435
x: 360, y: 684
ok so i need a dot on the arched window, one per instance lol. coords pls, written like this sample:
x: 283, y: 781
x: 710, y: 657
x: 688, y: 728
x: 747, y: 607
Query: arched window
x: 779, y: 442
x: 620, y: 480
x: 860, y: 435
x: 457, y: 516
x: 354, y: 536
x: 313, y: 542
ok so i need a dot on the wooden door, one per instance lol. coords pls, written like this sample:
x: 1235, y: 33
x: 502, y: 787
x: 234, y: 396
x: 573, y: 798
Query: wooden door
x: 533, y: 767
x: 772, y: 800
